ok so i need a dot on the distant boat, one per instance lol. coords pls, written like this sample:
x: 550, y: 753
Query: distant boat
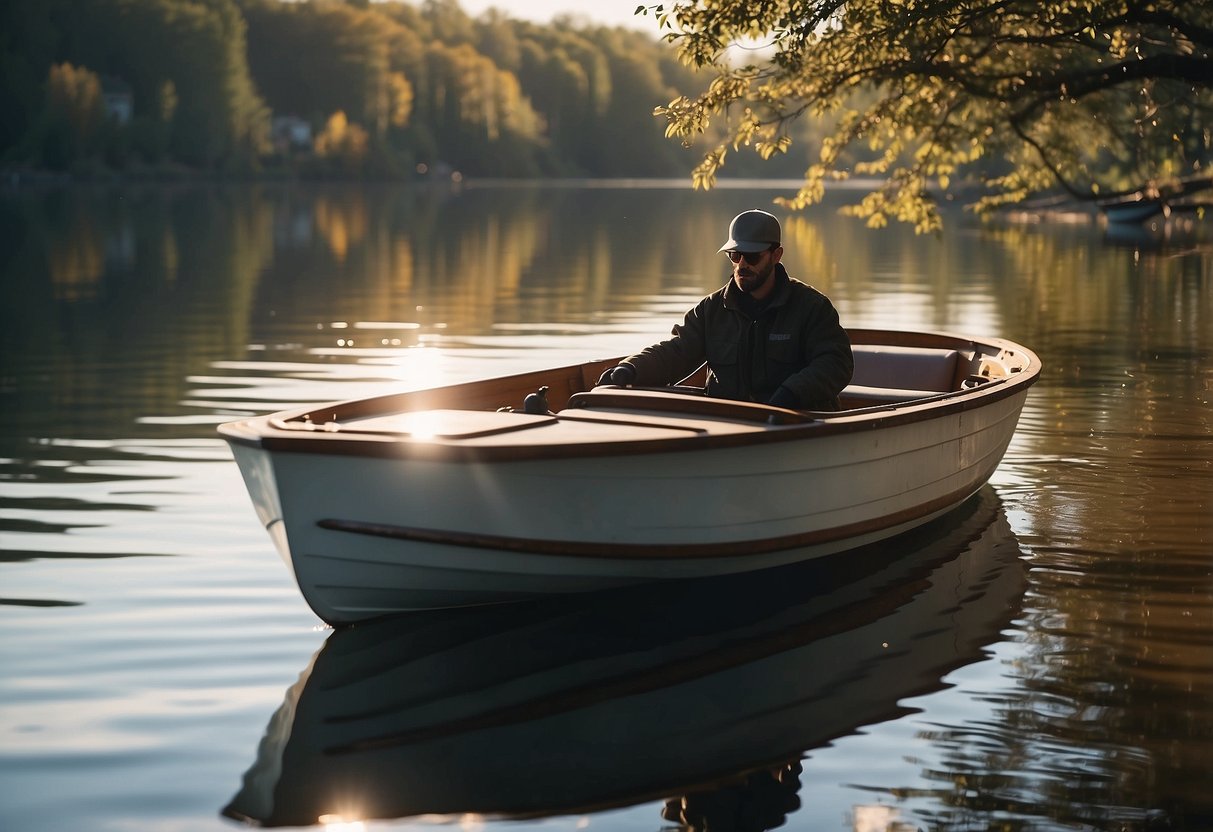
x: 454, y: 496
x: 1134, y: 210
x: 1157, y: 199
x: 579, y: 704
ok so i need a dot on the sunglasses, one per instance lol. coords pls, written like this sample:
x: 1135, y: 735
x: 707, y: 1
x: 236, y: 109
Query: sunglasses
x: 751, y: 257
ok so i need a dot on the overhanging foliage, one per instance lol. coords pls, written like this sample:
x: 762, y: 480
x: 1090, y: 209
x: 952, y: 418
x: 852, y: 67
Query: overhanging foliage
x: 1003, y: 99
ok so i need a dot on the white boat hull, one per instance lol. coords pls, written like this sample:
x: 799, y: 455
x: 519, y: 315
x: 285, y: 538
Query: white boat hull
x: 371, y: 532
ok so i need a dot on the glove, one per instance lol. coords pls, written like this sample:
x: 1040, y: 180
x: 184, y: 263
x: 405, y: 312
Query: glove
x: 620, y: 374
x: 783, y: 397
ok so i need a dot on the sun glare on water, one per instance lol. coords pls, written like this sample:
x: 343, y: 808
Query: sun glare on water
x: 420, y: 366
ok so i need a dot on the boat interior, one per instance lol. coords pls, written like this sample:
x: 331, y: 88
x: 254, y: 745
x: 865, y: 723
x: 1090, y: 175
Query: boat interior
x: 891, y: 370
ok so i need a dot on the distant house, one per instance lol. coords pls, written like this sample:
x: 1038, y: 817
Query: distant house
x: 290, y: 133
x: 118, y: 100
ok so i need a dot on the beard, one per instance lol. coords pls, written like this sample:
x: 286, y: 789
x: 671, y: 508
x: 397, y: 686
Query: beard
x: 750, y: 279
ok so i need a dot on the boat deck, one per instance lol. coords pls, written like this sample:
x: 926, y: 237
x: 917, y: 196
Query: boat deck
x: 636, y: 415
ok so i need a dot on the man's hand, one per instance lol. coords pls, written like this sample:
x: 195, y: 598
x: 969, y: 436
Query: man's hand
x: 621, y: 375
x: 783, y: 397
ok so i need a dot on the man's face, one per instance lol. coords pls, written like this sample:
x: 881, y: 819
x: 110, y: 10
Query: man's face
x: 752, y: 272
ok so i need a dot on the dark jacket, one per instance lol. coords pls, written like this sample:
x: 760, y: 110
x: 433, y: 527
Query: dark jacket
x: 795, y: 342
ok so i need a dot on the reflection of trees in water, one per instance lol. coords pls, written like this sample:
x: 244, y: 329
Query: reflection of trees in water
x: 761, y: 800
x: 1109, y: 724
x: 113, y: 298
x: 1112, y: 726
x: 1114, y: 723
x: 1078, y: 748
x: 476, y: 259
x: 1050, y: 763
x: 1126, y: 344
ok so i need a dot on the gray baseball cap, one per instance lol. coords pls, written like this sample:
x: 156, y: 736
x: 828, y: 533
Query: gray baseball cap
x: 751, y: 231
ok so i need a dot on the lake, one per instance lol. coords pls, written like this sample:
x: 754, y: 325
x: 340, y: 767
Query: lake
x: 1040, y: 659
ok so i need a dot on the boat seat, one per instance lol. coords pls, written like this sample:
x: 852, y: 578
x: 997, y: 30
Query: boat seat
x: 889, y: 375
x: 914, y: 369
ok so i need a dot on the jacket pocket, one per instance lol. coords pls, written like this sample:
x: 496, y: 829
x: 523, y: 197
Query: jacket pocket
x: 783, y: 358
x: 783, y: 349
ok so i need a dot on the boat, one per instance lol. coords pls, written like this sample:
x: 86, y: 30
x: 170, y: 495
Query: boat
x: 1134, y: 209
x: 1157, y: 199
x: 677, y: 693
x: 542, y: 483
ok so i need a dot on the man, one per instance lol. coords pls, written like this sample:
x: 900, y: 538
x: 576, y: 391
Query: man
x: 766, y: 336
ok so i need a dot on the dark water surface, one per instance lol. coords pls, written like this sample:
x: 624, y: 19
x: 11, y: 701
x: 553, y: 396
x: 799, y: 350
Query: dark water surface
x: 1041, y: 659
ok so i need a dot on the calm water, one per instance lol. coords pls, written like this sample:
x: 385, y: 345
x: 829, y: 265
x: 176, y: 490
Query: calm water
x: 1041, y: 660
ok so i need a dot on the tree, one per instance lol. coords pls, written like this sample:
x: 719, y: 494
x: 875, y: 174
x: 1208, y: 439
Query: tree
x: 1015, y: 96
x: 345, y: 143
x: 217, y: 120
x: 28, y: 43
x: 483, y: 122
x: 74, y: 113
x: 346, y: 67
x: 594, y: 86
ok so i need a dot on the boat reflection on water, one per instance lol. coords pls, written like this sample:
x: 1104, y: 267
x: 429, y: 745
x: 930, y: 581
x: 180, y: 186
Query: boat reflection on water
x: 754, y: 802
x: 704, y: 694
